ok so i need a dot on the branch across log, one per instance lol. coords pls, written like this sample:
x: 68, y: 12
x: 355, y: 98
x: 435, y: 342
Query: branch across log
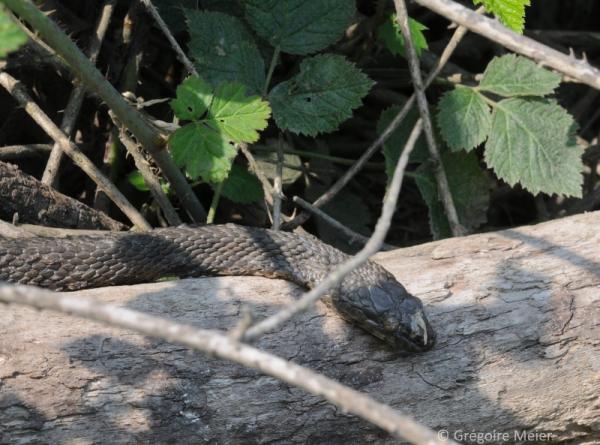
x: 517, y: 314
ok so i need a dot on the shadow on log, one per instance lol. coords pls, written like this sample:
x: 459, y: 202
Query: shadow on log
x: 518, y: 320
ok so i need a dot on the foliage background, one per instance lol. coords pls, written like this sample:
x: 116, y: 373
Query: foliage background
x: 315, y: 162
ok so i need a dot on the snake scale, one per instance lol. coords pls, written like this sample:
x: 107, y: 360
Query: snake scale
x: 369, y: 297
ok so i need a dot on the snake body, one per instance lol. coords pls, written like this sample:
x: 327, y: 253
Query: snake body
x: 370, y: 296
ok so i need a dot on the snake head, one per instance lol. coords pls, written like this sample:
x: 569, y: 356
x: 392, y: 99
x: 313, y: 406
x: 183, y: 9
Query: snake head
x: 393, y: 315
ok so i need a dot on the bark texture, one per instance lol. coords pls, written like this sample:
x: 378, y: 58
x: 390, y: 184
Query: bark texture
x: 37, y: 203
x: 518, y: 320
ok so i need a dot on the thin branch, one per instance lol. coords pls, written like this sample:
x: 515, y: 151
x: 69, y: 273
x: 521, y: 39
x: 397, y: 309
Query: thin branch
x: 189, y: 66
x: 351, y: 234
x: 371, y: 247
x: 217, y: 344
x: 95, y: 82
x: 383, y: 137
x: 278, y: 185
x: 272, y: 65
x: 415, y: 71
x: 255, y: 168
x: 150, y: 179
x: 77, y: 95
x: 17, y: 151
x: 69, y: 148
x: 493, y: 30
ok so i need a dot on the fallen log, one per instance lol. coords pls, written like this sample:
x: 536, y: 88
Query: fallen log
x: 518, y: 356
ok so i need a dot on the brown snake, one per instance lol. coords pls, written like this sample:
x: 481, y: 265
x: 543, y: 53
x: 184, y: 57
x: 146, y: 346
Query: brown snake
x: 369, y: 296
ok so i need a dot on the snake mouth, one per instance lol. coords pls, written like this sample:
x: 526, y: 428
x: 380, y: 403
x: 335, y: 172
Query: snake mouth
x: 418, y: 337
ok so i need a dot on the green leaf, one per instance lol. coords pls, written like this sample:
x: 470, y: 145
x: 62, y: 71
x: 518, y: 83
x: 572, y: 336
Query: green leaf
x: 136, y: 179
x: 242, y: 187
x: 464, y: 118
x: 300, y: 26
x: 224, y: 50
x: 204, y: 147
x: 194, y: 96
x: 513, y: 75
x: 202, y: 152
x: 469, y: 186
x: 510, y: 12
x: 393, y: 147
x: 533, y: 143
x: 237, y: 116
x: 389, y: 33
x: 320, y: 97
x: 172, y: 12
x: 11, y: 36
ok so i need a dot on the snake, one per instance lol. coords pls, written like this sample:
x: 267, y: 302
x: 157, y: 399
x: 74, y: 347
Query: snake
x: 369, y: 297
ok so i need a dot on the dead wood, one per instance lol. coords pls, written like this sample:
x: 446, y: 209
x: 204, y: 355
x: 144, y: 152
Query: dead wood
x: 518, y: 319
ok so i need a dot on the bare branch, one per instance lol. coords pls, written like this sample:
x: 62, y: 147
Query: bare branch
x: 278, y: 185
x: 493, y: 30
x: 135, y: 122
x: 378, y: 143
x: 150, y: 178
x: 77, y: 95
x: 222, y: 346
x: 371, y: 247
x: 189, y: 66
x: 415, y: 72
x: 68, y: 147
x: 17, y: 151
x: 351, y: 234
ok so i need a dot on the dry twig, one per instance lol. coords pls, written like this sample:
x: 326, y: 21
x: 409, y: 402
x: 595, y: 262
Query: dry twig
x: 493, y: 30
x: 135, y: 122
x: 77, y: 95
x: 378, y: 143
x: 189, y: 66
x: 150, y: 178
x: 371, y: 247
x: 415, y: 72
x: 69, y: 148
x: 223, y: 346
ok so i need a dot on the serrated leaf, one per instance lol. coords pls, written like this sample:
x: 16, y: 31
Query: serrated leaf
x: 391, y: 35
x: 300, y: 26
x: 11, y: 36
x: 510, y: 12
x: 512, y: 75
x: 469, y: 186
x: 464, y: 118
x: 194, y: 96
x: 393, y: 147
x: 171, y: 12
x: 320, y: 97
x: 224, y: 50
x: 533, y: 143
x: 242, y: 186
x: 237, y: 116
x: 202, y: 152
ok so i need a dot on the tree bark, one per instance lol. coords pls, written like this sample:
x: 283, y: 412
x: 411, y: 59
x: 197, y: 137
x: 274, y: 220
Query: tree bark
x: 518, y: 319
x: 37, y: 203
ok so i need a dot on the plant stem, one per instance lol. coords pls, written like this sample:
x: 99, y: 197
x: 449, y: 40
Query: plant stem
x: 95, y: 82
x: 310, y: 154
x: 214, y: 203
x: 272, y: 66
